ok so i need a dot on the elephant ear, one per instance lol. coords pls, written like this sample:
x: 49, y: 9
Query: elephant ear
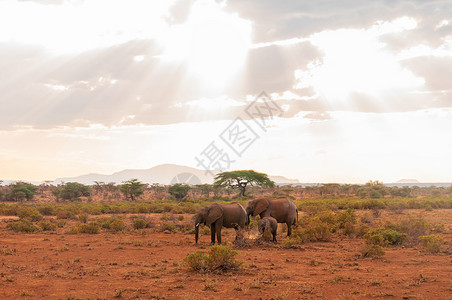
x: 215, y: 212
x: 261, y: 205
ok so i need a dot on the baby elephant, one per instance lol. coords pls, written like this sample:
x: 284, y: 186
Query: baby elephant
x: 268, y: 222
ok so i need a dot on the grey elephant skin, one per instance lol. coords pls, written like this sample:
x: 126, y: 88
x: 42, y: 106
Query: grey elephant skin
x: 282, y: 209
x: 216, y: 216
x: 270, y: 223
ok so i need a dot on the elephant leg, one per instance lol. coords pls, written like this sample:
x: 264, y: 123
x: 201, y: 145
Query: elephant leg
x: 274, y: 237
x: 289, y: 229
x: 212, y: 233
x: 218, y: 230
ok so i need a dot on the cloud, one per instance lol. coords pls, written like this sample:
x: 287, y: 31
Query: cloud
x: 297, y: 53
x: 437, y: 71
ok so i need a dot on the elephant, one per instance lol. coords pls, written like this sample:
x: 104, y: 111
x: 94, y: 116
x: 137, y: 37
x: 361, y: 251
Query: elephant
x: 282, y: 209
x: 268, y: 222
x: 231, y: 215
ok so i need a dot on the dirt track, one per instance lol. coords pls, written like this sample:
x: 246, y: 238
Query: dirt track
x: 148, y: 265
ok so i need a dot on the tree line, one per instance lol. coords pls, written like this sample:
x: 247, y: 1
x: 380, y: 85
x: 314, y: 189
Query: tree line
x: 227, y: 185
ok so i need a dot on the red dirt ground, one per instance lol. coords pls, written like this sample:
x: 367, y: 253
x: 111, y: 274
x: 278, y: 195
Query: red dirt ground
x: 148, y: 265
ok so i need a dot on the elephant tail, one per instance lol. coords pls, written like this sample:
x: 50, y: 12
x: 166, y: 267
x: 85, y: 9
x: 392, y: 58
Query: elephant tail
x: 296, y: 210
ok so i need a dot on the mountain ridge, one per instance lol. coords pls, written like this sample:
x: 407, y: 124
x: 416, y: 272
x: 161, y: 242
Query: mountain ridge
x: 162, y: 174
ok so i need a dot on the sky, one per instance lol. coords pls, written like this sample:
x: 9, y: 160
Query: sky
x: 320, y: 91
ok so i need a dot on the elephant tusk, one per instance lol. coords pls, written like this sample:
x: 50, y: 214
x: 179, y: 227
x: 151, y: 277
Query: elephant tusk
x: 197, y: 225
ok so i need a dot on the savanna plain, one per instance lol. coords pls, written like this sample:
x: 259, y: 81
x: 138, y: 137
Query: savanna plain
x: 374, y: 242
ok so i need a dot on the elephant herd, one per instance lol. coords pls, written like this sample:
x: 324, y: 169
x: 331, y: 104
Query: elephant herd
x: 233, y: 215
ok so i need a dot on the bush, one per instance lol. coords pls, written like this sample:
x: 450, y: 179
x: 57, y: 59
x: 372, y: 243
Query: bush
x: 373, y: 251
x: 218, y: 259
x: 91, y: 228
x: 23, y: 225
x: 139, y: 223
x: 313, y: 229
x: 47, y: 209
x: 21, y: 191
x: 62, y: 213
x: 29, y: 213
x: 431, y: 243
x: 179, y: 191
x: 414, y: 227
x: 117, y: 225
x: 168, y: 227
x: 383, y: 237
x: 47, y: 226
x: 72, y: 191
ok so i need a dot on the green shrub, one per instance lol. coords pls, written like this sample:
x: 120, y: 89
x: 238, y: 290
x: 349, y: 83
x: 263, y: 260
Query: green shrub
x: 373, y: 251
x: 168, y: 227
x: 139, y: 223
x: 72, y: 191
x: 47, y: 226
x: 414, y: 227
x: 383, y: 236
x: 23, y: 225
x: 346, y: 217
x: 47, y: 209
x: 21, y: 191
x: 313, y: 229
x: 431, y: 243
x: 83, y: 217
x: 29, y: 213
x: 117, y: 225
x: 219, y: 258
x: 112, y: 223
x: 91, y: 228
x: 62, y: 213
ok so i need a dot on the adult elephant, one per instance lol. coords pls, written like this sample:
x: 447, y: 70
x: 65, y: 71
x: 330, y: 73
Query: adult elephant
x: 282, y: 209
x: 216, y: 216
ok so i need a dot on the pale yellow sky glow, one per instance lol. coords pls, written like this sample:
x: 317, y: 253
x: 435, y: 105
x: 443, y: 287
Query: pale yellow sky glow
x: 100, y: 86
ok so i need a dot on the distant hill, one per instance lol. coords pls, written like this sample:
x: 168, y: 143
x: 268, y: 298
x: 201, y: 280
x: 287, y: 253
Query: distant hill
x: 408, y: 181
x: 162, y: 174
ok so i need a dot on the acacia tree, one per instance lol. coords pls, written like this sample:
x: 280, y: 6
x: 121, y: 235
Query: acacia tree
x: 132, y: 188
x: 22, y: 190
x: 179, y: 191
x: 72, y: 191
x: 241, y: 178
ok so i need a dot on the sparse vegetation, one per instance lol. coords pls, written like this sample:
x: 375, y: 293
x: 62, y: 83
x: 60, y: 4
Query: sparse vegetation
x: 431, y: 243
x: 23, y: 225
x: 219, y: 258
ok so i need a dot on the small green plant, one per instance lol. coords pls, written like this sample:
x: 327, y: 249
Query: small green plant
x: 23, y: 225
x: 219, y: 258
x: 431, y: 243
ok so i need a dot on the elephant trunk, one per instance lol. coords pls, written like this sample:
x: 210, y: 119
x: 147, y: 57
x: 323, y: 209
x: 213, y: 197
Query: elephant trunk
x: 196, y: 232
x: 247, y: 219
